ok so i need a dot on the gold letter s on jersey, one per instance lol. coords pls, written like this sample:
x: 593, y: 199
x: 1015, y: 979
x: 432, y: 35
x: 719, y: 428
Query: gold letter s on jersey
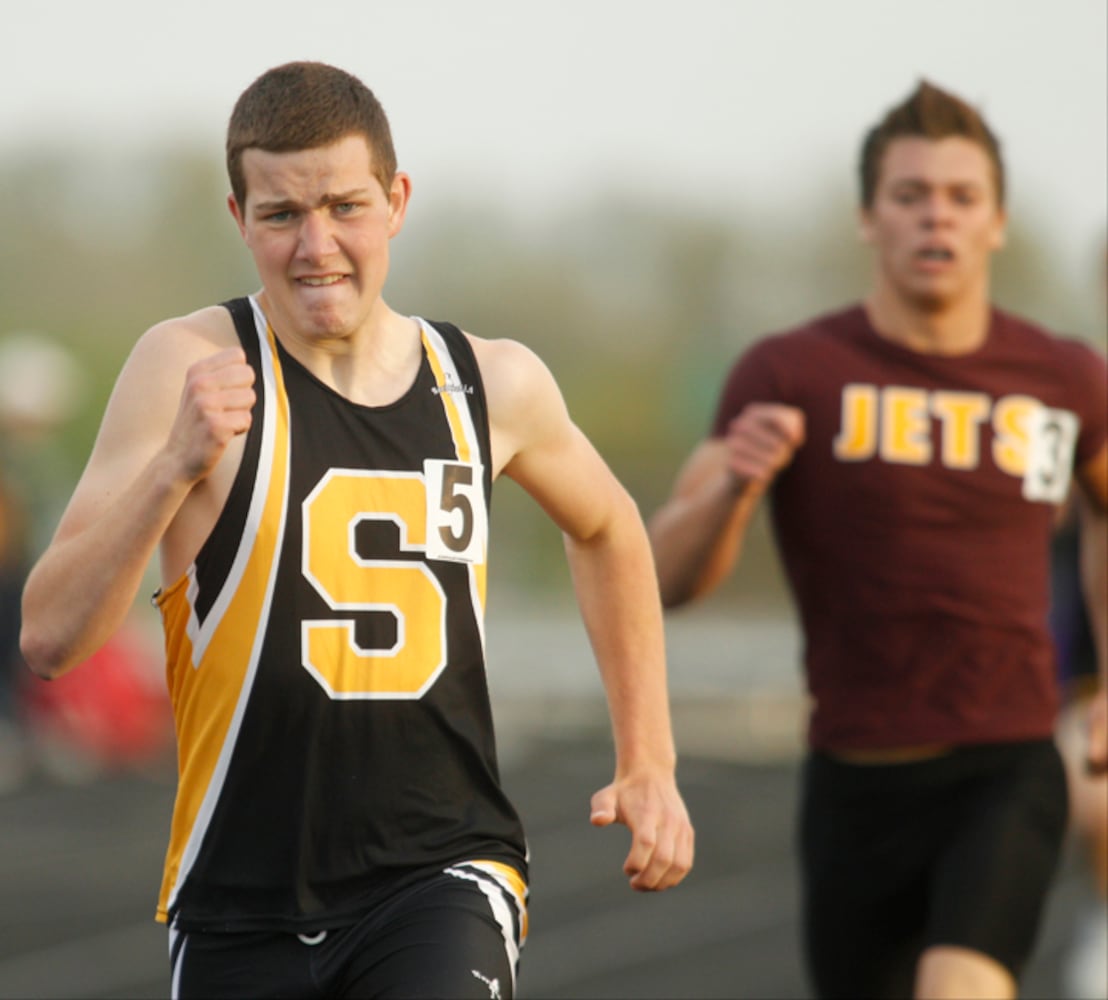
x: 347, y: 581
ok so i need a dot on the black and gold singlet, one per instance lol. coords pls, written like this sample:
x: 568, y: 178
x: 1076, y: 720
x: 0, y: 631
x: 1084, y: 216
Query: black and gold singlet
x: 326, y: 653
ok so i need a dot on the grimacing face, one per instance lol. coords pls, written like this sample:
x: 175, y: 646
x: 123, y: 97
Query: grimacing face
x: 318, y: 225
x: 935, y: 220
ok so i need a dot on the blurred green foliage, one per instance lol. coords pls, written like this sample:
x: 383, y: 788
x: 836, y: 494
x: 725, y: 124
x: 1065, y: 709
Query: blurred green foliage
x: 637, y: 308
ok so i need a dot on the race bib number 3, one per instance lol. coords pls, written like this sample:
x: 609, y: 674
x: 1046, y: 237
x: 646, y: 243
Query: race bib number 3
x: 1051, y: 438
x: 457, y: 521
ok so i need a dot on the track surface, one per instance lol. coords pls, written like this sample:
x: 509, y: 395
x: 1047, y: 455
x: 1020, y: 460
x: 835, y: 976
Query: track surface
x: 79, y: 868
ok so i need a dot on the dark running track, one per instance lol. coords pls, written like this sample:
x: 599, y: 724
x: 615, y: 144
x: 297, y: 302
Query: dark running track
x: 79, y: 868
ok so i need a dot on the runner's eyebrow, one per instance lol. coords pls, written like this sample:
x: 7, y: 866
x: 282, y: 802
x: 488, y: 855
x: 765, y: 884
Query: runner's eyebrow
x: 281, y: 204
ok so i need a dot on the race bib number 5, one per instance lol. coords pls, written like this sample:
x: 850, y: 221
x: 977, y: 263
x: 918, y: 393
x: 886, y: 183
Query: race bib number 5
x: 457, y: 521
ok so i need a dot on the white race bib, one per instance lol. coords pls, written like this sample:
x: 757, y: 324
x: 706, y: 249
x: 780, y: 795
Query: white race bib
x: 1052, y: 437
x: 457, y: 521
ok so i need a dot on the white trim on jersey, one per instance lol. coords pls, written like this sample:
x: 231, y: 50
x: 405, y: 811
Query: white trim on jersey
x: 265, y: 467
x: 445, y: 360
x: 201, y: 634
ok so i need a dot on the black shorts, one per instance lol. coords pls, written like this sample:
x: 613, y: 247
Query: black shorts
x: 457, y: 933
x: 957, y: 850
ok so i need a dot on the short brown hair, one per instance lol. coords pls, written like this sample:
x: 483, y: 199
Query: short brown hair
x: 929, y: 113
x: 303, y: 105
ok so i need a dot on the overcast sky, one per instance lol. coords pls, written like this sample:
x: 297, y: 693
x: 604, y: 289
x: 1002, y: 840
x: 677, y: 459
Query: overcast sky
x: 729, y: 101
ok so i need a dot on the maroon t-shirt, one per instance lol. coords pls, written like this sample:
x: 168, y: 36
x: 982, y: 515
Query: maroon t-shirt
x: 914, y: 523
